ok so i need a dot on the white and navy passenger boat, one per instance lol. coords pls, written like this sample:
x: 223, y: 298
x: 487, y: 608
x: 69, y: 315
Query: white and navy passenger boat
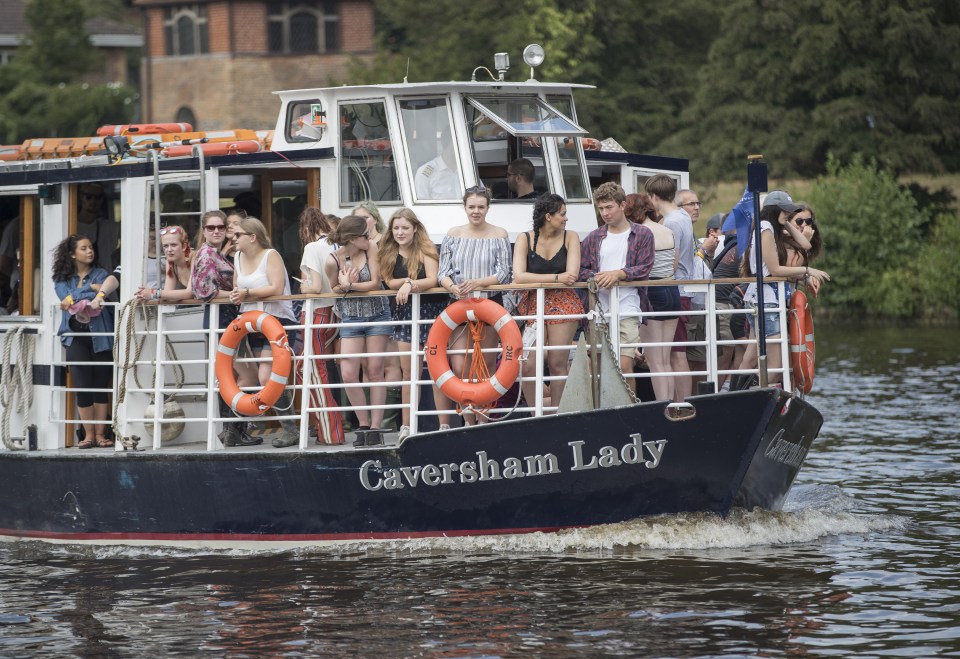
x: 598, y: 456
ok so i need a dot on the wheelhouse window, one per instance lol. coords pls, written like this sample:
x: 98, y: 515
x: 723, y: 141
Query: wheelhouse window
x: 303, y: 27
x: 431, y: 149
x: 306, y: 121
x: 570, y: 153
x: 185, y: 30
x: 368, y: 169
x: 507, y: 136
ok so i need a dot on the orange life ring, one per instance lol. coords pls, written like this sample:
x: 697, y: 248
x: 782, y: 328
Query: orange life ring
x: 491, y: 313
x: 802, y: 347
x: 214, y: 148
x: 262, y: 323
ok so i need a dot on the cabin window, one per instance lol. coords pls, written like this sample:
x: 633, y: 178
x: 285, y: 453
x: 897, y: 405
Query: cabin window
x: 570, y: 153
x: 20, y: 258
x: 368, y: 170
x: 96, y: 215
x: 506, y: 136
x: 185, y: 30
x: 432, y: 155
x: 303, y: 27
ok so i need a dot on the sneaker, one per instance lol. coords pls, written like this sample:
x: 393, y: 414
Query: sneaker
x: 404, y: 433
x: 444, y: 426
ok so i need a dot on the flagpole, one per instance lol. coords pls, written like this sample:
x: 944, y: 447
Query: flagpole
x: 757, y: 183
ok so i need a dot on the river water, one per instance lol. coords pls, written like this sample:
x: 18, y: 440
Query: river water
x: 863, y: 560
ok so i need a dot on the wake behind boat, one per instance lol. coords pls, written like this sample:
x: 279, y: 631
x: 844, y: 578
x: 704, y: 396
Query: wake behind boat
x: 596, y: 456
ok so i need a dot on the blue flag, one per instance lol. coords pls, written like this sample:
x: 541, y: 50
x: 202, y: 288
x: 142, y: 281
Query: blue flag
x: 741, y: 218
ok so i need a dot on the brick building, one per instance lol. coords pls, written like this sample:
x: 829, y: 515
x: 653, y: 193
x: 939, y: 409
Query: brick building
x: 215, y: 63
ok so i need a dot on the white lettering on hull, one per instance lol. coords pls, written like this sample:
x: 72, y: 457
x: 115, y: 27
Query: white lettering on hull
x: 374, y: 476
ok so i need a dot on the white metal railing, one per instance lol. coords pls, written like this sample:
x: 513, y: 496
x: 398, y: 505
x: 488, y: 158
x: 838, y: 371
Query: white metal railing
x: 172, y: 324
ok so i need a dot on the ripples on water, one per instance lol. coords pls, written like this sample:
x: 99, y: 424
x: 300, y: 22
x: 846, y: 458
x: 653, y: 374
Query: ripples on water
x: 862, y: 560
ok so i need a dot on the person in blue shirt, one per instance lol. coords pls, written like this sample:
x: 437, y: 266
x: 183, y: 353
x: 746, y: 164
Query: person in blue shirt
x: 86, y: 331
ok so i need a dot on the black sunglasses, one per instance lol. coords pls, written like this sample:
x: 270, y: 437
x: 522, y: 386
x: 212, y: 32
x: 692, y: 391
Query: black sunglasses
x: 800, y: 221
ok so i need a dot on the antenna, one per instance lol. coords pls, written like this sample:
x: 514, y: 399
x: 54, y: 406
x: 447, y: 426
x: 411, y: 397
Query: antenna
x: 405, y: 81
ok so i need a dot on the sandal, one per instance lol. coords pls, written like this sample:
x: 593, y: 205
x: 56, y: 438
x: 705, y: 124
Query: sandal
x: 103, y: 442
x: 89, y: 442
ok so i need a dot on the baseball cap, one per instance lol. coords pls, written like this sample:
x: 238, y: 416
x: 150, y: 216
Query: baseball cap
x: 782, y: 200
x: 714, y: 221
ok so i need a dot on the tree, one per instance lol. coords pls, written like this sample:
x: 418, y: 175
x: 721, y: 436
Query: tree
x: 870, y: 226
x: 41, y: 90
x: 797, y: 80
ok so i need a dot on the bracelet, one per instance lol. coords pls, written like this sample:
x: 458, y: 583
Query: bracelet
x: 68, y: 299
x: 101, y: 294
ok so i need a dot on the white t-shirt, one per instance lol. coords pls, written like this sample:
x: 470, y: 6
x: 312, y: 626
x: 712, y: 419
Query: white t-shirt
x: 613, y: 256
x: 314, y: 257
x: 769, y: 292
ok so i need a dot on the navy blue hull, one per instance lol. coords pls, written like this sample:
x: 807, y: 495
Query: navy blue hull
x: 508, y: 477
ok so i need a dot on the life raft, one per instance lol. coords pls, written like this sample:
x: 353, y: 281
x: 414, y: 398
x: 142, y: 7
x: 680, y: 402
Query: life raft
x: 214, y: 148
x: 262, y: 323
x: 802, y: 347
x: 482, y: 392
x: 151, y: 129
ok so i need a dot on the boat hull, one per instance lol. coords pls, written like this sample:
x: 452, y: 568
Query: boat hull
x: 543, y: 474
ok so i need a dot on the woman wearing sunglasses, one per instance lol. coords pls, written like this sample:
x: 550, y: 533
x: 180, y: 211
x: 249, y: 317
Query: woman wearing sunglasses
x: 211, y: 279
x: 355, y: 268
x: 259, y: 273
x: 176, y: 252
x: 806, y: 221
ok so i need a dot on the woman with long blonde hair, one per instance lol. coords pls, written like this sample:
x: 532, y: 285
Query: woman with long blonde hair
x: 409, y: 262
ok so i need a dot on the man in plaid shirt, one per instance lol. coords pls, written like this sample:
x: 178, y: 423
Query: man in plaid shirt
x: 619, y: 251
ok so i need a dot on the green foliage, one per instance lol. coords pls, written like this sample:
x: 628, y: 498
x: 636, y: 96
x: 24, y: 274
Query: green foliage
x: 39, y: 90
x: 797, y: 80
x: 870, y: 228
x: 940, y: 267
x: 642, y: 60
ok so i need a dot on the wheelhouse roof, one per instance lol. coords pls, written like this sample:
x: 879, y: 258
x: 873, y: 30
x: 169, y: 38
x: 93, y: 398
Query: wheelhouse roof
x: 437, y: 88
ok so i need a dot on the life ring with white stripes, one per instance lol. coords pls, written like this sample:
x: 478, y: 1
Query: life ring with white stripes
x: 802, y: 347
x: 262, y: 323
x: 483, y: 392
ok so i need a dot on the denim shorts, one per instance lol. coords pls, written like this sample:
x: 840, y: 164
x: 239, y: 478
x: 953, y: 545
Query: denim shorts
x: 771, y: 321
x: 384, y: 328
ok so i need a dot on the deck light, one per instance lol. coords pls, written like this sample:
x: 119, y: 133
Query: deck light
x: 501, y: 62
x: 533, y: 55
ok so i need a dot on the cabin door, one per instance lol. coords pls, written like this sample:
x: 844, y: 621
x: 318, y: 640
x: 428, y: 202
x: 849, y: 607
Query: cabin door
x: 286, y: 193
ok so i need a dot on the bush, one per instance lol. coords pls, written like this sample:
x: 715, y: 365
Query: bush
x: 940, y: 268
x: 871, y: 232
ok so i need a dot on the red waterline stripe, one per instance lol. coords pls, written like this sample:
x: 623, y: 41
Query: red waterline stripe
x: 264, y: 537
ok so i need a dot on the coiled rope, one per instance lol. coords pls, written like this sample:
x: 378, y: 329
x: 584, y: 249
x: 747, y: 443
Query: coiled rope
x: 16, y: 393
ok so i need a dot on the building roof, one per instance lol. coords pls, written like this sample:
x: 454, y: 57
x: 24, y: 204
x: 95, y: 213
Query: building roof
x: 104, y: 32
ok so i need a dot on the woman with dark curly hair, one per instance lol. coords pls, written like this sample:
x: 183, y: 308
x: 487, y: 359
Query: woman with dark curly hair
x: 805, y: 220
x: 86, y: 331
x: 549, y: 255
